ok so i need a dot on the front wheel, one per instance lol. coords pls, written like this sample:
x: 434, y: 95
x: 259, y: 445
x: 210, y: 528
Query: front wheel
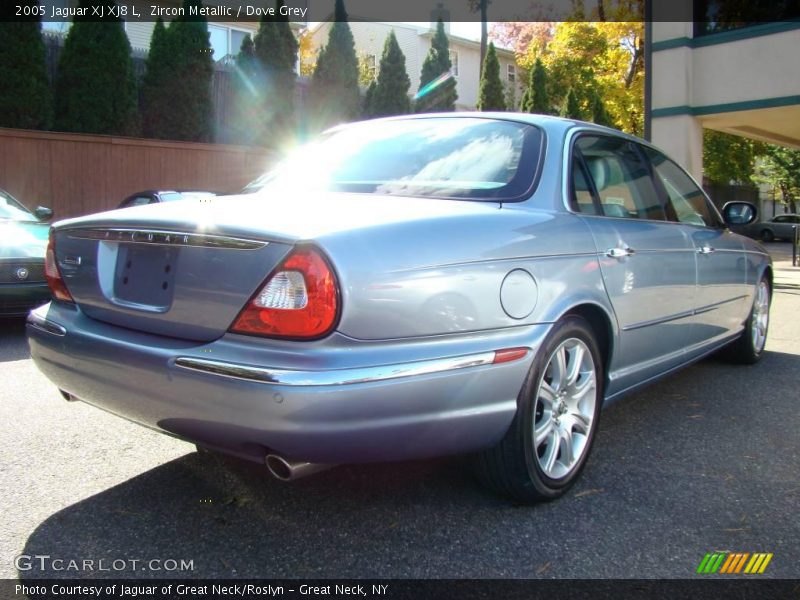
x: 549, y: 440
x: 749, y: 348
x: 767, y: 236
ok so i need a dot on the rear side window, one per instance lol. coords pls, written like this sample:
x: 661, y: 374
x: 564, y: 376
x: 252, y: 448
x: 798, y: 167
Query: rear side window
x: 686, y: 202
x: 619, y: 177
x: 137, y: 201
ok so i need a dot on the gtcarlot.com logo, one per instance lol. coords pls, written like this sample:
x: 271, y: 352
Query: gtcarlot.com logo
x: 734, y: 563
x: 45, y: 562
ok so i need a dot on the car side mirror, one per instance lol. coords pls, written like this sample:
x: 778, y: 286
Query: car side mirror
x: 739, y: 213
x: 43, y: 213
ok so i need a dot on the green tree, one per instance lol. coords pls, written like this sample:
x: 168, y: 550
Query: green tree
x: 536, y: 99
x: 491, y: 95
x: 572, y: 107
x: 334, y: 85
x: 729, y: 159
x: 190, y: 83
x: 389, y: 96
x: 95, y: 91
x: 598, y: 110
x: 245, y: 125
x: 157, y: 106
x: 437, y: 88
x: 25, y: 98
x: 276, y: 54
x: 780, y: 167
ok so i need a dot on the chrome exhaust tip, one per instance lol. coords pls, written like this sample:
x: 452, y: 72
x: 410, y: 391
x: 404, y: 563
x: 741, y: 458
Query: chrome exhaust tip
x: 289, y: 470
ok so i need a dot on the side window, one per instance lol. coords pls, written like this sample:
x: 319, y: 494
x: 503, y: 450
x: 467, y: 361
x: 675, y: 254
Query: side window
x: 621, y: 178
x: 780, y: 219
x: 687, y: 202
x: 137, y: 201
x: 582, y: 200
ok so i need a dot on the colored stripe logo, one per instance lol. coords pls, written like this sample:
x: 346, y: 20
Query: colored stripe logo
x: 734, y: 563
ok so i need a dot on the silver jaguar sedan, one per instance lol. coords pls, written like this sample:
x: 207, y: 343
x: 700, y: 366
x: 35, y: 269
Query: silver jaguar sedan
x: 405, y: 288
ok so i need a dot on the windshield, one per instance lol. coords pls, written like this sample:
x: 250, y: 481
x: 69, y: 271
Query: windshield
x: 12, y: 210
x: 460, y: 158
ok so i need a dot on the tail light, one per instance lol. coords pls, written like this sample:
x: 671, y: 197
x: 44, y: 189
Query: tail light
x: 53, y: 275
x: 298, y: 300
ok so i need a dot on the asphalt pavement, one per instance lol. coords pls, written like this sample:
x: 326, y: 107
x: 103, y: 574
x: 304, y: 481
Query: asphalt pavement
x: 705, y: 460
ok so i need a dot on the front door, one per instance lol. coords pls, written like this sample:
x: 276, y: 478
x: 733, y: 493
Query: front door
x: 648, y: 263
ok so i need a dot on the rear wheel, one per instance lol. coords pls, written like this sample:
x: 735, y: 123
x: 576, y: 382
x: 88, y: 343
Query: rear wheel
x: 766, y: 235
x: 549, y: 440
x: 749, y: 348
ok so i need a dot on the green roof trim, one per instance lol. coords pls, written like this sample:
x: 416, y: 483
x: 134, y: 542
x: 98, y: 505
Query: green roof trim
x: 697, y: 111
x: 725, y: 37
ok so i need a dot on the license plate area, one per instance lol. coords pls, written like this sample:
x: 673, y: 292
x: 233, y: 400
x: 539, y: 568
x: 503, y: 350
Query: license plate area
x: 145, y: 275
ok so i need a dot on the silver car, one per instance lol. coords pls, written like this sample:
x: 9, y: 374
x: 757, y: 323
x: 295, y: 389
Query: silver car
x: 780, y: 227
x: 407, y: 288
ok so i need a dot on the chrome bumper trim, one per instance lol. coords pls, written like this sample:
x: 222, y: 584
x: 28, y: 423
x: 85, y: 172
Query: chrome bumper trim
x: 159, y: 237
x: 335, y: 376
x: 38, y: 322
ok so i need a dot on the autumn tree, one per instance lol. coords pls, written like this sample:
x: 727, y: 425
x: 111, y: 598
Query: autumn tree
x: 334, y: 85
x: 389, y: 95
x: 437, y: 88
x: 95, y: 91
x: 491, y: 95
x: 25, y: 98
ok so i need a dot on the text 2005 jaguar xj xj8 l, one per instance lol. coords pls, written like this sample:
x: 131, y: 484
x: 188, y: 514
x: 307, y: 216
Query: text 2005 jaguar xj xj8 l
x: 406, y: 288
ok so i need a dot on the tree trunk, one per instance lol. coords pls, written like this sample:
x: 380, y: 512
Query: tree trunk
x: 484, y: 6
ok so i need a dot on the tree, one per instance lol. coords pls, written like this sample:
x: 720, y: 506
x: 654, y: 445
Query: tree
x: 190, y: 85
x: 491, y: 95
x: 537, y: 99
x: 729, y: 159
x: 482, y: 6
x: 780, y: 168
x: 95, y: 90
x: 247, y: 95
x: 437, y: 87
x: 571, y: 108
x: 176, y: 89
x: 25, y: 98
x: 334, y: 85
x: 598, y: 110
x: 276, y: 54
x: 389, y: 96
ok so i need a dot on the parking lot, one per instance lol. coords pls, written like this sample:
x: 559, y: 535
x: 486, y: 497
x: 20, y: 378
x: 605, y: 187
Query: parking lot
x: 705, y: 460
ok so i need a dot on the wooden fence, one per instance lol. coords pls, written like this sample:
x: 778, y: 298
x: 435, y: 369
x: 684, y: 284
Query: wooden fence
x: 77, y: 174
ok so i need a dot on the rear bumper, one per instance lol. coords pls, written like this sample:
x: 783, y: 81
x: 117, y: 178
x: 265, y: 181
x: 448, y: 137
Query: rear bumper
x: 19, y: 298
x: 334, y: 402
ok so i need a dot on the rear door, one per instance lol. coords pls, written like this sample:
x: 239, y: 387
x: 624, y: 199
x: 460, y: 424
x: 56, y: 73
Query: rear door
x: 648, y: 263
x: 723, y: 298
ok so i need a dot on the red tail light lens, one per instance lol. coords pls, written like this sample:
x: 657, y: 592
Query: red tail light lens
x: 53, y: 275
x: 298, y: 300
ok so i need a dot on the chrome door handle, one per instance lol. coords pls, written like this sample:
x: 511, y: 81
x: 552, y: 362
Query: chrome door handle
x: 620, y: 252
x: 706, y: 250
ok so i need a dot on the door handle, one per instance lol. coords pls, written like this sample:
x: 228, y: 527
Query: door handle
x: 620, y: 252
x: 706, y: 249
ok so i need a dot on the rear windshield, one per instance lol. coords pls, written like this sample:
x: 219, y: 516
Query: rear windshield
x: 458, y: 158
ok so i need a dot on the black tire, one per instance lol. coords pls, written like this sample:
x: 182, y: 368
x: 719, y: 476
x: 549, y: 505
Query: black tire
x: 746, y: 349
x: 512, y: 468
x: 767, y: 236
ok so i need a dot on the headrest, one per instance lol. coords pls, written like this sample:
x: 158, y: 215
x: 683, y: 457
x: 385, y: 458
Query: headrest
x: 598, y: 167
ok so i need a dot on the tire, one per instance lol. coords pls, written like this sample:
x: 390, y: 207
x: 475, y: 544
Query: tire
x: 767, y: 236
x: 529, y: 470
x: 749, y: 347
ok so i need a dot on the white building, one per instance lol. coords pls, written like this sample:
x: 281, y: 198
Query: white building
x: 415, y: 41
x: 744, y: 81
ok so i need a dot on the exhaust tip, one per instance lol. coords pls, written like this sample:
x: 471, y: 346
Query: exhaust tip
x: 278, y: 467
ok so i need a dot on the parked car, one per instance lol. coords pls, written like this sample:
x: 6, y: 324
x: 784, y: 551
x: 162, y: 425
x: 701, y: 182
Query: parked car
x: 406, y: 288
x: 155, y: 196
x: 23, y: 241
x: 779, y: 227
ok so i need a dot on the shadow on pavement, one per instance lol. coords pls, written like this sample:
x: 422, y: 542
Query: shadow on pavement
x: 682, y: 467
x: 13, y: 344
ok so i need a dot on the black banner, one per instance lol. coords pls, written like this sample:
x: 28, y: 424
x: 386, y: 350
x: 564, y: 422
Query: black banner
x: 397, y: 589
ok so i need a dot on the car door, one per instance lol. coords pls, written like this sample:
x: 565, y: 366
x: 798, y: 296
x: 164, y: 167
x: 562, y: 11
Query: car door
x: 722, y: 292
x: 647, y: 263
